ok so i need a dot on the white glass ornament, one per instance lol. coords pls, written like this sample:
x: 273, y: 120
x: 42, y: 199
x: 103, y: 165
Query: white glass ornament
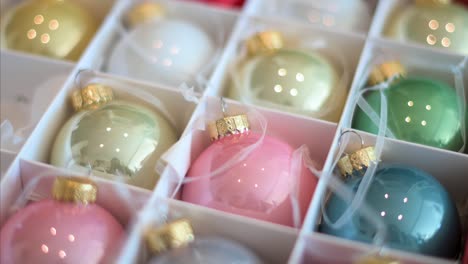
x: 160, y: 49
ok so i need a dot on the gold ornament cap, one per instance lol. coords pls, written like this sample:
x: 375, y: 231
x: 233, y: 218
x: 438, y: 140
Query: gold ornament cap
x: 229, y: 125
x: 377, y: 260
x: 356, y: 163
x: 91, y: 97
x: 74, y: 189
x: 174, y: 235
x: 433, y: 2
x: 385, y: 71
x: 143, y: 12
x: 264, y: 42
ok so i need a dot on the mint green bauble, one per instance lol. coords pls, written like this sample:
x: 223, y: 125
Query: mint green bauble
x: 420, y: 110
x: 118, y: 140
x: 290, y: 80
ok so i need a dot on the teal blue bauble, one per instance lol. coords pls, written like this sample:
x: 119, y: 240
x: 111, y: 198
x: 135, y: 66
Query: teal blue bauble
x: 418, y: 212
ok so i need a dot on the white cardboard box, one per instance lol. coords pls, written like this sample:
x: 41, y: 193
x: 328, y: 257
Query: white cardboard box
x: 273, y: 243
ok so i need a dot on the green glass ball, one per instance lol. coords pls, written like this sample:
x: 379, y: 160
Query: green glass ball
x: 292, y: 81
x: 420, y: 110
x: 443, y: 26
x: 119, y: 141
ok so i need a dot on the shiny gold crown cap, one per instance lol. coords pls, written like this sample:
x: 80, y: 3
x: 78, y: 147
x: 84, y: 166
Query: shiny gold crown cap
x: 385, y: 71
x: 229, y: 125
x: 74, y: 189
x: 377, y: 260
x: 143, y: 12
x: 176, y: 234
x: 433, y: 2
x: 264, y: 42
x: 91, y: 97
x: 356, y: 162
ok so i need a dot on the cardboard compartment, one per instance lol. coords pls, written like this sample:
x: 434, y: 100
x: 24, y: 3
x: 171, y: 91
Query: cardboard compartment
x: 331, y: 15
x: 271, y: 243
x: 217, y: 23
x: 343, y: 55
x: 177, y: 108
x: 98, y: 10
x: 28, y: 85
x: 6, y: 158
x: 195, y: 140
x: 450, y: 69
x: 34, y: 181
x: 113, y: 197
x: 449, y: 168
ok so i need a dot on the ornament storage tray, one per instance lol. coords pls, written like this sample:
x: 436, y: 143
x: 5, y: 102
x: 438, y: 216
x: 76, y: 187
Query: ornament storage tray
x: 21, y: 73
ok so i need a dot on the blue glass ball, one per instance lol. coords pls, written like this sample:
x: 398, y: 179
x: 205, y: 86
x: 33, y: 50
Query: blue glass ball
x: 418, y: 212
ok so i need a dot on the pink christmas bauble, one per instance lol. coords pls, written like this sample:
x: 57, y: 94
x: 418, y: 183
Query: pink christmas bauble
x: 259, y: 186
x: 225, y: 3
x: 57, y: 232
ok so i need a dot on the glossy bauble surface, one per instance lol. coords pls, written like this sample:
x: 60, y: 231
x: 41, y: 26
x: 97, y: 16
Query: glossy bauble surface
x: 53, y: 28
x: 418, y: 212
x: 168, y: 51
x: 259, y: 186
x: 419, y: 110
x: 56, y: 232
x: 208, y: 251
x: 293, y: 81
x: 119, y: 140
x: 443, y: 26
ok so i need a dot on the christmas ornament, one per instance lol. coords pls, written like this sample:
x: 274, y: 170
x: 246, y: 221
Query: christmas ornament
x: 175, y: 243
x: 339, y: 14
x: 421, y: 110
x: 259, y: 186
x: 418, y: 212
x: 160, y: 49
x: 68, y: 229
x: 54, y: 28
x: 437, y: 23
x: 116, y: 139
x: 224, y: 3
x: 377, y: 260
x: 292, y: 80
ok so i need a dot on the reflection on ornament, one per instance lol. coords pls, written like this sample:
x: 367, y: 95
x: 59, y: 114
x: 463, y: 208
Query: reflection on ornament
x: 160, y: 49
x: 421, y: 110
x: 53, y: 28
x: 116, y: 139
x: 290, y: 80
x: 417, y: 211
x: 339, y: 14
x: 69, y: 229
x: 433, y: 23
x: 259, y: 186
x: 176, y: 243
